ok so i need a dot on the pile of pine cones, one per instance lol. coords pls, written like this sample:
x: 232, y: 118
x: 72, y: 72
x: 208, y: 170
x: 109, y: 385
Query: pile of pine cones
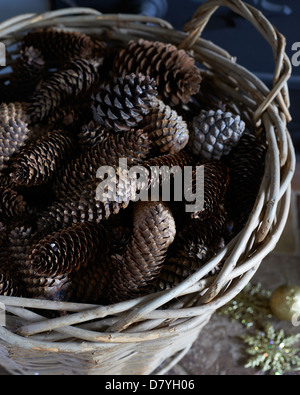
x: 74, y: 104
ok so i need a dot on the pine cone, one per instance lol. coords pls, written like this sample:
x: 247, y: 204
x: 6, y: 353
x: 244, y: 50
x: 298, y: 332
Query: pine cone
x: 38, y: 163
x: 121, y: 105
x: 59, y: 45
x: 154, y: 231
x: 69, y: 250
x: 166, y: 129
x: 63, y: 86
x: 92, y: 135
x: 176, y: 75
x: 216, y: 181
x: 215, y: 133
x: 246, y: 164
x: 12, y: 205
x: 86, y: 205
x: 134, y: 146
x: 13, y: 135
x: 194, y: 246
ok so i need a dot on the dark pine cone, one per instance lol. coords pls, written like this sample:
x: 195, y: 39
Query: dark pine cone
x: 92, y: 135
x: 134, y: 146
x: 60, y: 45
x: 69, y: 250
x: 194, y: 246
x: 12, y: 205
x: 122, y: 104
x: 9, y: 286
x: 176, y: 75
x: 63, y: 86
x: 154, y: 231
x: 246, y: 164
x: 38, y: 163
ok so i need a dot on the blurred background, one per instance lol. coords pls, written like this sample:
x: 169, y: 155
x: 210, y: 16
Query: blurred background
x: 225, y: 29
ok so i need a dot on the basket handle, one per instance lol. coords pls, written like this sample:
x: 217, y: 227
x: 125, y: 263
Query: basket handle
x: 277, y: 41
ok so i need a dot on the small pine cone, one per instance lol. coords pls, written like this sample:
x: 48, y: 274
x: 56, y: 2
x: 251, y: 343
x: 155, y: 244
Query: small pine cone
x: 215, y: 133
x: 154, y: 232
x: 13, y: 136
x: 69, y: 249
x: 87, y: 205
x: 59, y: 45
x: 246, y: 164
x: 122, y: 104
x: 176, y: 75
x: 216, y: 181
x: 63, y: 86
x: 38, y: 163
x: 195, y: 245
x: 166, y: 129
x: 134, y: 146
x: 92, y: 135
x: 12, y: 205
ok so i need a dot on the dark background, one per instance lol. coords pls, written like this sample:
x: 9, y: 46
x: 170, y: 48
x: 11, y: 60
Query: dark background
x: 230, y: 32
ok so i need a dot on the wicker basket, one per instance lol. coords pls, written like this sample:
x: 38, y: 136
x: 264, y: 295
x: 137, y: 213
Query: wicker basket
x: 138, y: 336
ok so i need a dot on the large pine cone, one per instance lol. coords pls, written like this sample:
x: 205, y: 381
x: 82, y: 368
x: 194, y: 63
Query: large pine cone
x: 69, y: 250
x: 122, y: 104
x: 63, y: 86
x: 154, y: 231
x: 133, y: 146
x: 176, y: 75
x: 38, y: 163
x: 59, y: 45
x: 166, y: 129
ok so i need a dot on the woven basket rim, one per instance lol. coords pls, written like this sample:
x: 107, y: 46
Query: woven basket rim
x: 243, y: 255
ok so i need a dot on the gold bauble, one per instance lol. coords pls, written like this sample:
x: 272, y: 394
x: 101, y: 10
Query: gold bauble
x: 285, y: 303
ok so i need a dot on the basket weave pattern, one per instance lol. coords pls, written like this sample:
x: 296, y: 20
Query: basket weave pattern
x: 137, y: 336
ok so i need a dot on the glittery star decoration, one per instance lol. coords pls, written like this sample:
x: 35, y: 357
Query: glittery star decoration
x: 250, y: 306
x: 272, y: 351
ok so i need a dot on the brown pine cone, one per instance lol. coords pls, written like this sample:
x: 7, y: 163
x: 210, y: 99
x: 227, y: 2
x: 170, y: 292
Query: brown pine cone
x: 154, y: 231
x: 69, y: 250
x: 122, y: 104
x: 194, y: 246
x: 134, y: 146
x: 38, y: 163
x: 246, y: 164
x: 216, y: 181
x: 59, y: 45
x: 12, y: 205
x: 166, y: 129
x: 176, y: 75
x: 13, y: 136
x: 87, y: 205
x: 63, y: 86
x: 9, y: 286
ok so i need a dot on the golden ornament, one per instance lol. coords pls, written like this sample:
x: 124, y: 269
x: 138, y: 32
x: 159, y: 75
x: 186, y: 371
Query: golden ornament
x: 285, y: 303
